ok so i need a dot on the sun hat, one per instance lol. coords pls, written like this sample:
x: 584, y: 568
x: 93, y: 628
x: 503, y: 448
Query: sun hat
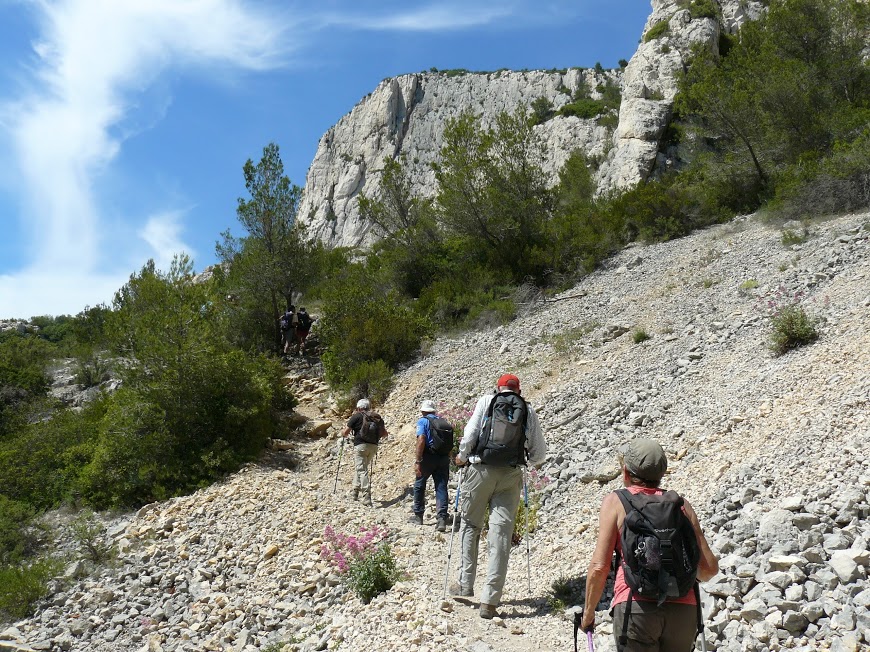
x: 645, y: 459
x: 427, y: 406
x: 363, y: 404
x: 510, y: 381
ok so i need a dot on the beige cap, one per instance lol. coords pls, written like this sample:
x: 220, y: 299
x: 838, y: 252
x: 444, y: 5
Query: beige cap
x: 645, y: 459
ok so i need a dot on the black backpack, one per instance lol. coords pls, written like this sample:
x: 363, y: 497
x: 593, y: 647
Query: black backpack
x: 660, y: 551
x: 304, y: 320
x: 372, y: 428
x: 502, y: 441
x: 285, y: 321
x: 441, y: 434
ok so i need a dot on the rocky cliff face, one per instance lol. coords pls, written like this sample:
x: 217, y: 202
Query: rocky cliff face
x: 406, y: 116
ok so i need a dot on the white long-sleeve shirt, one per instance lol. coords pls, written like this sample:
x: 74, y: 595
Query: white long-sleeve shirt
x: 535, y: 444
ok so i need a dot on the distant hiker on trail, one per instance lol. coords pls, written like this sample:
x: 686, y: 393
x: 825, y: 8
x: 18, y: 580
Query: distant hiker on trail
x: 432, y: 459
x: 667, y: 617
x: 368, y: 429
x: 303, y: 327
x: 502, y: 433
x: 287, y: 323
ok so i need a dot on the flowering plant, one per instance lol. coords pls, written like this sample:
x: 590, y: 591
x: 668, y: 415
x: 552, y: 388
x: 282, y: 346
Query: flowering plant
x: 792, y: 326
x: 365, y: 560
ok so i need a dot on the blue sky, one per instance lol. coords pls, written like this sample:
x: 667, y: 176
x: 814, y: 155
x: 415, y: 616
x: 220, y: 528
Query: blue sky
x: 124, y: 124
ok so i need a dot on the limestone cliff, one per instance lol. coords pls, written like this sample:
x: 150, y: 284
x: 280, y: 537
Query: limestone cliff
x: 406, y: 116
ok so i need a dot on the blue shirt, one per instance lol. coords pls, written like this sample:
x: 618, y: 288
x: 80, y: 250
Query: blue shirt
x: 423, y: 429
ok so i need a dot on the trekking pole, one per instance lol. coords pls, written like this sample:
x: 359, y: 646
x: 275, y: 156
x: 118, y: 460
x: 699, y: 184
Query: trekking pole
x: 372, y: 472
x: 700, y: 617
x: 340, y: 451
x: 528, y: 553
x: 590, y: 646
x: 452, y: 531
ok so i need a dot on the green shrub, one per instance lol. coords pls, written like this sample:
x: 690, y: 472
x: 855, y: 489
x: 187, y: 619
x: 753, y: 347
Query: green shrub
x: 22, y: 586
x: 700, y: 8
x: 17, y: 539
x: 90, y: 536
x: 792, y: 328
x: 640, y: 335
x: 566, y: 591
x: 365, y: 561
x: 542, y: 110
x: 91, y: 371
x: 372, y: 379
x: 747, y: 285
x: 373, y: 574
x: 658, y: 30
x: 585, y: 108
x: 790, y: 238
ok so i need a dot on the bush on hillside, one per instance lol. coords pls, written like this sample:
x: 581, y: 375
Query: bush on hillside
x: 23, y: 585
x: 362, y: 322
x: 792, y: 328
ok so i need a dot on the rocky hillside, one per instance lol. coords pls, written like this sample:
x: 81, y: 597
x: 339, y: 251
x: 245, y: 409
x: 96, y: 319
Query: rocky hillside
x: 771, y: 451
x: 406, y: 116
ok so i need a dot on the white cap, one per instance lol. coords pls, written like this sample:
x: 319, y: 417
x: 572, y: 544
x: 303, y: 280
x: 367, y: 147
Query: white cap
x: 427, y: 406
x: 363, y: 404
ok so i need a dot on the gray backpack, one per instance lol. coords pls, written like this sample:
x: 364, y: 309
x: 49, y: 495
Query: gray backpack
x: 502, y: 441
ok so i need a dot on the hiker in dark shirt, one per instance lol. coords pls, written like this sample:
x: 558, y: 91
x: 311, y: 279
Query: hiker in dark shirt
x: 368, y: 430
x: 287, y: 323
x: 303, y: 327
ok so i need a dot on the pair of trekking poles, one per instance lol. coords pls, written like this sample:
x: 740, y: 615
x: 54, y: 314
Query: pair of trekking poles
x: 453, y: 528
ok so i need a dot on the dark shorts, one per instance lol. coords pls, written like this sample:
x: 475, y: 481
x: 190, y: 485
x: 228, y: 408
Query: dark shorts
x: 669, y: 628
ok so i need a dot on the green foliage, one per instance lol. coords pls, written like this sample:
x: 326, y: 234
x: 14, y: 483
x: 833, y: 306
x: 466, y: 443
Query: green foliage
x: 585, y: 108
x: 493, y: 194
x: 542, y: 110
x: 371, y: 379
x: 565, y: 340
x: 795, y: 84
x: 790, y: 238
x: 566, y: 591
x: 363, y: 322
x: 22, y: 586
x: 23, y: 362
x: 700, y: 8
x: 91, y: 370
x: 272, y: 262
x: 640, y: 335
x: 90, y: 536
x: 748, y: 285
x: 373, y: 574
x: 792, y: 328
x: 17, y: 539
x: 658, y: 30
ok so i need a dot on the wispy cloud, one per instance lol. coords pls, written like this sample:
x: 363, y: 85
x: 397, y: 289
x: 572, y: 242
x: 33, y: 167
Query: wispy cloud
x: 162, y: 232
x: 431, y: 18
x: 92, y: 59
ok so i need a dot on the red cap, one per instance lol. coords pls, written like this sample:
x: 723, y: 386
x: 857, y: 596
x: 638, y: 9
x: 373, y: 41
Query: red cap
x: 510, y: 381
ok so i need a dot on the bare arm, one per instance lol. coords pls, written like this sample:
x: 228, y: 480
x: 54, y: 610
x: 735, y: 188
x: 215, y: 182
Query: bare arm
x: 708, y: 566
x: 599, y: 566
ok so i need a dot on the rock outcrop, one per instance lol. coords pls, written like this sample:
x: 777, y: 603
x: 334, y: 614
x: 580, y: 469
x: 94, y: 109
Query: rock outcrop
x: 405, y: 116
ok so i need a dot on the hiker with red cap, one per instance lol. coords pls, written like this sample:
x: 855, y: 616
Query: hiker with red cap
x: 501, y: 437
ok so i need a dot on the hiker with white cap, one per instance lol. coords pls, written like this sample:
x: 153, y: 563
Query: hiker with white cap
x: 432, y: 459
x: 501, y: 437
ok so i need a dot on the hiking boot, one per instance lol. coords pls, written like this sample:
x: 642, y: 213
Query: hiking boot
x: 458, y: 591
x: 416, y: 519
x: 487, y: 611
x: 441, y: 525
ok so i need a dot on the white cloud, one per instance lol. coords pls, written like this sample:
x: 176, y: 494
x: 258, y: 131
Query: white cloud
x: 431, y: 18
x: 162, y: 232
x: 91, y: 60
